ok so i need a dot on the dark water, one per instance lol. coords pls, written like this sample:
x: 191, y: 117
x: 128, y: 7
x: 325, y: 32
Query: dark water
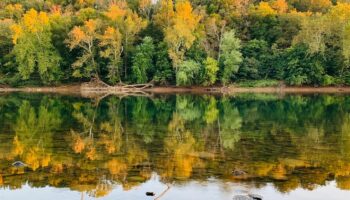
x: 179, y: 147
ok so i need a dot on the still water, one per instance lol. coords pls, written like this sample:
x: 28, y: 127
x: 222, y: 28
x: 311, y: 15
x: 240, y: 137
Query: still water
x: 293, y: 147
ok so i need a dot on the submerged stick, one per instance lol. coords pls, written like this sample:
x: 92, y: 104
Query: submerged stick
x: 163, y: 193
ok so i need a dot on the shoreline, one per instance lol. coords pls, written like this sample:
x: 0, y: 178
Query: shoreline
x: 78, y: 89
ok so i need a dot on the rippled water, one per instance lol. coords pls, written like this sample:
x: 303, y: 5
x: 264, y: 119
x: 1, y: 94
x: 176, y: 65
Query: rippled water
x: 178, y: 147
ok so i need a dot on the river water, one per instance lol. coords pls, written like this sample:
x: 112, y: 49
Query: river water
x: 281, y: 147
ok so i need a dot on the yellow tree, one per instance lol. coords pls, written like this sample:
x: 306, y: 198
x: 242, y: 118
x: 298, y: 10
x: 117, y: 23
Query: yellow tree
x: 111, y: 41
x: 281, y: 6
x: 181, y: 34
x: 263, y: 9
x: 14, y: 11
x: 145, y: 8
x: 165, y: 13
x: 128, y: 23
x: 84, y: 38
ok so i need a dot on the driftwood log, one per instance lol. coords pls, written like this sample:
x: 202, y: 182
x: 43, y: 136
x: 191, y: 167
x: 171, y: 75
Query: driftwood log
x: 97, y: 87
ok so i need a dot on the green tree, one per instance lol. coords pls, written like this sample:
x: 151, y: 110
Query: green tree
x: 33, y: 48
x: 143, y: 61
x: 187, y: 73
x: 211, y: 68
x: 164, y: 71
x: 230, y: 56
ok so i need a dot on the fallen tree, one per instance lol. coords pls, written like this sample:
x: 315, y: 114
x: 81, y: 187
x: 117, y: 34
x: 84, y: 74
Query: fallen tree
x: 97, y: 87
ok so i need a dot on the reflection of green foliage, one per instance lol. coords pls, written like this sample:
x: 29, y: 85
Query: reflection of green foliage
x: 29, y: 123
x: 182, y: 137
x: 142, y: 120
x: 211, y: 112
x: 188, y: 108
x: 230, y: 126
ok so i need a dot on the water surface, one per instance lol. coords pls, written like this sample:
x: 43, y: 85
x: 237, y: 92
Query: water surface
x: 181, y: 146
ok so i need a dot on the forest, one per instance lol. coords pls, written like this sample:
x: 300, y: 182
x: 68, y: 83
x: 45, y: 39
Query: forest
x: 175, y: 42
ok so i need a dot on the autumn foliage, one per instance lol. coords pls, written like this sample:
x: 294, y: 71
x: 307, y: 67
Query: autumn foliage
x: 298, y: 42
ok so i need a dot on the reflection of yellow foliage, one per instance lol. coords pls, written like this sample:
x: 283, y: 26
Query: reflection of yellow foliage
x: 1, y: 180
x: 78, y: 144
x: 262, y: 168
x: 45, y: 160
x: 286, y: 186
x: 57, y: 168
x: 179, y: 145
x: 91, y: 153
x: 293, y: 163
x: 102, y: 190
x: 32, y: 158
x: 18, y: 147
x: 343, y: 182
x: 115, y: 166
x: 279, y: 172
x: 342, y: 169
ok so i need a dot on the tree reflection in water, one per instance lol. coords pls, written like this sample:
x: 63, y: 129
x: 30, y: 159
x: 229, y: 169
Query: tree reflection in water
x: 292, y: 142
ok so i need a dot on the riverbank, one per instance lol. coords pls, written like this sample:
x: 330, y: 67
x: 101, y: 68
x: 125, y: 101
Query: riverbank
x: 78, y: 89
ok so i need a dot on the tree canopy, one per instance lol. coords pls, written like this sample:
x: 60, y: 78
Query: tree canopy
x: 53, y: 42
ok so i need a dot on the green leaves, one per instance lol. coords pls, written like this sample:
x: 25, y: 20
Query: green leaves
x: 230, y: 55
x: 143, y: 61
x: 187, y: 73
x: 34, y: 50
x: 211, y: 68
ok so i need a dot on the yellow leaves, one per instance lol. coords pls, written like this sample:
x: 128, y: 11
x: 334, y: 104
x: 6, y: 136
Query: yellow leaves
x: 32, y: 22
x: 16, y: 32
x: 185, y: 14
x: 91, y: 26
x: 263, y: 9
x: 116, y: 166
x: 340, y: 12
x: 76, y: 36
x: 133, y: 24
x: 111, y: 34
x: 343, y: 182
x: 116, y: 11
x: 181, y: 34
x: 18, y: 146
x: 165, y: 13
x: 32, y: 158
x: 12, y: 8
x: 281, y: 6
x: 78, y: 144
x: 91, y: 153
x: 83, y: 36
x: 279, y: 172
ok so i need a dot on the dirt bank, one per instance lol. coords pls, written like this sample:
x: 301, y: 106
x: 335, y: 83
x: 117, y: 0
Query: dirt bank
x: 77, y: 89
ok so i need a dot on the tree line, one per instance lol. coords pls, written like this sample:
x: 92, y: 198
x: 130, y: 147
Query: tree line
x: 175, y: 42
